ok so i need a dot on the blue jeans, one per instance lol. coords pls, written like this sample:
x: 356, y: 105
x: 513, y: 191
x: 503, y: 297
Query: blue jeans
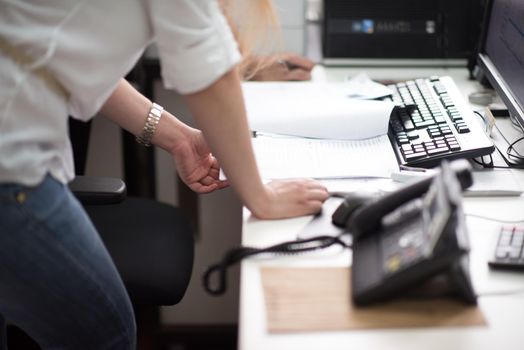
x: 57, y: 280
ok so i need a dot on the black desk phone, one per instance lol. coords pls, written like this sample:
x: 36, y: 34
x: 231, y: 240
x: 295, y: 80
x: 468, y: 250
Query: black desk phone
x: 413, y: 242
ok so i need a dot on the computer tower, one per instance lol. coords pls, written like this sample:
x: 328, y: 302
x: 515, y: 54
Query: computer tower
x: 426, y: 30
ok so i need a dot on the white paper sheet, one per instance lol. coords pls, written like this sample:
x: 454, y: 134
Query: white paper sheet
x: 291, y: 157
x: 361, y: 86
x: 316, y: 110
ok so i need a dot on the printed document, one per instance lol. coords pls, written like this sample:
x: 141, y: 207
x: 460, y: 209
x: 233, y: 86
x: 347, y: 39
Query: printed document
x: 291, y: 157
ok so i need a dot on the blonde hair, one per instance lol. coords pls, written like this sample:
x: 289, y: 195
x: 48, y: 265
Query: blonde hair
x: 257, y: 30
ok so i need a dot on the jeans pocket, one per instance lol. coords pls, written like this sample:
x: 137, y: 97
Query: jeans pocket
x: 38, y: 202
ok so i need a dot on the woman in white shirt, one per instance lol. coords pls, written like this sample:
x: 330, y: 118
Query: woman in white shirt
x: 68, y: 57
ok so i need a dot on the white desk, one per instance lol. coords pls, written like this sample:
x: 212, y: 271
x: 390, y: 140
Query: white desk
x: 504, y: 313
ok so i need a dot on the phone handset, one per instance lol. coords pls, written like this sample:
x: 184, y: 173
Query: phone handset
x: 368, y: 218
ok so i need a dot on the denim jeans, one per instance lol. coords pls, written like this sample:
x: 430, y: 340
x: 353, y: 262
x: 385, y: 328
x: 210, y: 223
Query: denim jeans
x: 57, y: 280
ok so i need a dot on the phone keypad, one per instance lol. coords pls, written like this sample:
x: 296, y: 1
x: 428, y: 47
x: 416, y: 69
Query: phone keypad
x: 403, y: 247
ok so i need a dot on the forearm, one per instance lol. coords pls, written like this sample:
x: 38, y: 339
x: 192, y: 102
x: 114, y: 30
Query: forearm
x: 129, y: 109
x: 220, y: 113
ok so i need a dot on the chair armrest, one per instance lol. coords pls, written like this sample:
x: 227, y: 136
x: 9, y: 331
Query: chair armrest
x: 98, y: 190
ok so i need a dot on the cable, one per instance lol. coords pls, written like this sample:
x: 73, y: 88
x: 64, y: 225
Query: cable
x: 495, y: 219
x: 511, y: 147
x: 483, y: 163
x: 501, y: 293
x: 515, y: 123
x: 516, y: 159
x: 484, y: 121
x: 490, y: 165
x: 237, y: 254
x: 518, y: 156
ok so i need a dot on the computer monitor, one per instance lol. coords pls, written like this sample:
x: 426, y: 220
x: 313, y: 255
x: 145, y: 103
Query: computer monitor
x: 501, y: 56
x: 400, y: 32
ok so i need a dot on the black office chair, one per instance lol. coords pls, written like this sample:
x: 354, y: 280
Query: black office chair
x: 151, y: 243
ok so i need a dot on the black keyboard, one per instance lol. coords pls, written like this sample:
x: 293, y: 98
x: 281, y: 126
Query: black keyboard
x: 509, y: 252
x: 434, y: 122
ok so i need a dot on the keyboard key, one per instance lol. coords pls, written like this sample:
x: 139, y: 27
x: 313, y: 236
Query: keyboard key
x: 514, y: 253
x: 447, y: 103
x: 414, y: 156
x: 403, y: 140
x: 408, y: 125
x: 406, y: 148
x: 438, y: 150
x: 502, y: 253
x: 413, y: 135
x: 454, y: 146
x: 424, y: 124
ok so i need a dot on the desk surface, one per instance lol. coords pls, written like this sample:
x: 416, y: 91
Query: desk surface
x: 501, y: 294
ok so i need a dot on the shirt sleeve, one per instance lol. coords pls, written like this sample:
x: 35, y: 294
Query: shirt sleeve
x: 195, y: 43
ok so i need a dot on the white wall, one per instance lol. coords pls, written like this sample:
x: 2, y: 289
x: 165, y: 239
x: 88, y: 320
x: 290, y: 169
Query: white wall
x: 292, y: 14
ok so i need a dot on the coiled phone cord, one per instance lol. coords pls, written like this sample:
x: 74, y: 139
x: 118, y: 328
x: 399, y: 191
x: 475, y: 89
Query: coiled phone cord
x: 237, y: 254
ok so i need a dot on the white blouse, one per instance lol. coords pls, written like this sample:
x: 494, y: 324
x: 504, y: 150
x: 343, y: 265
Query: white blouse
x: 87, y: 46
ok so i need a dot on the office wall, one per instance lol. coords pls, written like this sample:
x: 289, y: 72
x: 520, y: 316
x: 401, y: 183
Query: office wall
x: 291, y: 14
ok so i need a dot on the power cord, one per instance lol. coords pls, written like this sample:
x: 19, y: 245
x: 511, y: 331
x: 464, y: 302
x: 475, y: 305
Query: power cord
x: 484, y: 121
x: 237, y: 254
x: 519, y: 157
x: 298, y: 246
x: 518, y: 221
x: 511, y: 152
x: 501, y: 293
x: 515, y: 159
x: 515, y: 123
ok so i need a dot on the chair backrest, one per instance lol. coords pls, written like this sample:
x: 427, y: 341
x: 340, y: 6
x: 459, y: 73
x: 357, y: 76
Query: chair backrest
x: 3, y: 333
x: 79, y: 133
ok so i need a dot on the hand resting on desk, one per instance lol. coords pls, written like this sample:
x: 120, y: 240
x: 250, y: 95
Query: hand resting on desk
x: 294, y: 197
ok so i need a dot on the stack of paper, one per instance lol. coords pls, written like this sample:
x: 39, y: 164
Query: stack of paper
x: 317, y: 110
x: 332, y: 135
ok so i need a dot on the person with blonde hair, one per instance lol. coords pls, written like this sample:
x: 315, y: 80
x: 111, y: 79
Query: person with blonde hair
x: 263, y: 31
x: 68, y: 57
